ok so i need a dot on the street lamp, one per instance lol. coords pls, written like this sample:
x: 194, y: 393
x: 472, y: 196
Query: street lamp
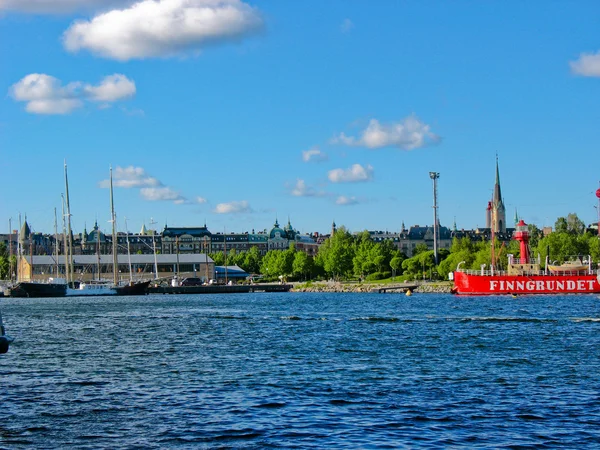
x: 434, y: 176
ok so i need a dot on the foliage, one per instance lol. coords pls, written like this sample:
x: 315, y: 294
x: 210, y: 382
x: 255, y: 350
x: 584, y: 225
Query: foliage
x: 4, y: 261
x: 571, y: 224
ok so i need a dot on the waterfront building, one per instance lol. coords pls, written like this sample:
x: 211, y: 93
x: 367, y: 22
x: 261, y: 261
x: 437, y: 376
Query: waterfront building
x: 94, y: 267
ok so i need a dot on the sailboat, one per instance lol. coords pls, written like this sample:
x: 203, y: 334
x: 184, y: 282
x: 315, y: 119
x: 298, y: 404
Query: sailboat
x: 107, y: 287
x: 67, y: 287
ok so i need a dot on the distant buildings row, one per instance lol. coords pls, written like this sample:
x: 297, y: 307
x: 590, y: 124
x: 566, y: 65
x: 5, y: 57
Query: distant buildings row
x: 200, y: 240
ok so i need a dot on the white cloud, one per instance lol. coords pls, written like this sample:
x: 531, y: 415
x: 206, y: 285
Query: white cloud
x: 151, y: 188
x: 233, y: 208
x: 161, y: 194
x: 111, y: 88
x: 301, y: 189
x: 314, y: 154
x: 163, y: 28
x: 588, y: 65
x: 354, y: 174
x: 346, y: 26
x: 45, y: 94
x: 131, y: 177
x: 57, y: 6
x: 345, y: 201
x: 407, y: 134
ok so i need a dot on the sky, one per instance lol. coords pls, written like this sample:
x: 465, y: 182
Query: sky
x: 235, y: 114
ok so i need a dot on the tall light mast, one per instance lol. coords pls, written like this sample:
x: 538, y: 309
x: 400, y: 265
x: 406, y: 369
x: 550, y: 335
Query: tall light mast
x: 113, y: 219
x: 434, y: 176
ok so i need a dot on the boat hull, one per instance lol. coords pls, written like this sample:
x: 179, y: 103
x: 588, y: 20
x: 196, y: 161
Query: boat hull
x: 470, y: 284
x: 41, y: 290
x: 37, y: 290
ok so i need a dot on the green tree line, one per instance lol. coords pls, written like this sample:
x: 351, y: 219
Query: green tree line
x: 346, y: 256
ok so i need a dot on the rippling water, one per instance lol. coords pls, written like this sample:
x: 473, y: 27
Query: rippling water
x: 301, y: 370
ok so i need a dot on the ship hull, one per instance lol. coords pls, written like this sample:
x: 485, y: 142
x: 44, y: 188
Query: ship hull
x: 42, y: 290
x: 37, y: 290
x: 469, y: 284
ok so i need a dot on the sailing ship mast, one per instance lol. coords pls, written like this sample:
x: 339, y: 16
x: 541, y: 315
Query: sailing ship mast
x: 65, y: 242
x: 69, y: 249
x: 113, y: 219
x: 56, y: 241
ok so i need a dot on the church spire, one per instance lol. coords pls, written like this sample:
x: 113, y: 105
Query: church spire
x: 497, y: 192
x: 498, y: 212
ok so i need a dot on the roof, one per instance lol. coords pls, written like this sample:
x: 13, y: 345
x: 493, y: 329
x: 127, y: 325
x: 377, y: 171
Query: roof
x: 232, y: 271
x: 192, y: 231
x: 168, y: 258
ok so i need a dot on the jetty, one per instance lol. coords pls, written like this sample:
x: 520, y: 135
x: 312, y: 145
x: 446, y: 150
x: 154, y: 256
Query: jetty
x: 398, y: 288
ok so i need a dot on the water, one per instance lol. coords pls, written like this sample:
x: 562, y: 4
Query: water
x: 300, y: 370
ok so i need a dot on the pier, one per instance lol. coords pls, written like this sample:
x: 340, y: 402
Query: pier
x: 398, y: 288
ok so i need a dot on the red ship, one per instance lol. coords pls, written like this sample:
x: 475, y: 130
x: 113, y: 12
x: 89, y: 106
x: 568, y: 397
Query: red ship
x: 524, y: 276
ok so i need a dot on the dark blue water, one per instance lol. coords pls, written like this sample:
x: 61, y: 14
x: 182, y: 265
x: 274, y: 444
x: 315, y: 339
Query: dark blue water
x: 301, y: 371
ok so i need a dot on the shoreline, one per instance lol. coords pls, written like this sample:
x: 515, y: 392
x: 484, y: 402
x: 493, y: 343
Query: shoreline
x: 439, y: 287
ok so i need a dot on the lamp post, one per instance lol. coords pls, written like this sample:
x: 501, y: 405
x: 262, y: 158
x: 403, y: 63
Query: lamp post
x: 434, y: 176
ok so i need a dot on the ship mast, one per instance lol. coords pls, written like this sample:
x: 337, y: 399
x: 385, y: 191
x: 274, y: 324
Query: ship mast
x: 65, y: 242
x: 56, y: 241
x: 69, y: 252
x: 113, y: 219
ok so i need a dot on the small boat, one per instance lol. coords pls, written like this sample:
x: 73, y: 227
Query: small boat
x: 569, y: 267
x: 5, y: 340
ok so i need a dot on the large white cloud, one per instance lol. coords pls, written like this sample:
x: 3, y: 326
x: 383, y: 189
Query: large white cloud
x: 163, y: 28
x: 233, y: 208
x: 354, y: 174
x: 45, y: 94
x: 588, y: 65
x: 408, y: 134
x: 57, y: 6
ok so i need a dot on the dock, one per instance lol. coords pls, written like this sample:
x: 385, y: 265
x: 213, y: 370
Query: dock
x: 398, y: 288
x: 220, y: 289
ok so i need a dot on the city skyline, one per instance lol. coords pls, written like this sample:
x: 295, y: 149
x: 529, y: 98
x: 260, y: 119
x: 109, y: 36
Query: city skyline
x: 247, y: 112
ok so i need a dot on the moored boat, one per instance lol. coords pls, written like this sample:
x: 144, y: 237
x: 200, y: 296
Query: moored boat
x: 524, y: 276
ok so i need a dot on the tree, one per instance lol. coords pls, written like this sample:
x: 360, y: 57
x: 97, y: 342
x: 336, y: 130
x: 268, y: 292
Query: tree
x: 396, y: 264
x: 252, y: 259
x: 574, y: 224
x: 218, y: 258
x: 303, y: 265
x: 420, y: 248
x: 4, y: 262
x: 338, y: 253
x: 571, y: 224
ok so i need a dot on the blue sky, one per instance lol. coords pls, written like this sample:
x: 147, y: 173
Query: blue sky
x: 236, y: 113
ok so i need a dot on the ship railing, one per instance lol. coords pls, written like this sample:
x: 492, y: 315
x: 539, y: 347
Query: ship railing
x: 487, y: 273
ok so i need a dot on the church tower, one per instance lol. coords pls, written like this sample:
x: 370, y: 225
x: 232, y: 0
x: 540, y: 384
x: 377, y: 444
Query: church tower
x: 498, y: 213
